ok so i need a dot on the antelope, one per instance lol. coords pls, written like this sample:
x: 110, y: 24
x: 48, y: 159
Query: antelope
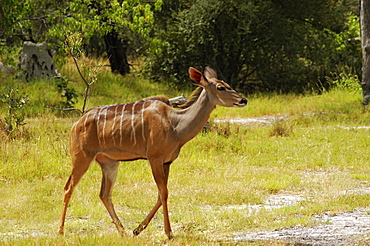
x: 148, y: 129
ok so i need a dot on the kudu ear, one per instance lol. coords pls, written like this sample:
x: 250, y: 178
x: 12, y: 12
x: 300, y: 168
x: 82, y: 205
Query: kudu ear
x: 197, y: 77
x: 209, y: 72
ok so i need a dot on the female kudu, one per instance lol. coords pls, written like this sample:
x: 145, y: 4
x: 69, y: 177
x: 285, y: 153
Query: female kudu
x: 148, y: 129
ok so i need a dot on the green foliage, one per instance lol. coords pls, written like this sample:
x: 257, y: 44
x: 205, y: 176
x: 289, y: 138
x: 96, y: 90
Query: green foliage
x: 116, y: 21
x: 87, y: 18
x: 346, y: 80
x: 27, y: 20
x: 15, y: 103
x: 69, y: 94
x: 11, y: 11
x: 254, y: 45
x: 101, y: 16
x: 53, y: 22
x: 264, y: 45
x: 9, y: 55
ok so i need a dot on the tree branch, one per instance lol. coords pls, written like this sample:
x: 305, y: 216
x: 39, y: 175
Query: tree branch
x: 28, y: 18
x: 65, y: 109
x: 81, y: 75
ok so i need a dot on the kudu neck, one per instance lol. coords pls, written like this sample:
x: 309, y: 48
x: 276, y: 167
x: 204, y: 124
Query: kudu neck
x: 192, y: 119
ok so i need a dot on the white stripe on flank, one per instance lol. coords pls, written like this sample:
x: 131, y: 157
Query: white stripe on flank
x: 113, y: 125
x: 74, y: 128
x: 104, y: 124
x: 97, y: 125
x: 120, y: 124
x: 87, y: 117
x: 142, y: 121
x: 133, y: 134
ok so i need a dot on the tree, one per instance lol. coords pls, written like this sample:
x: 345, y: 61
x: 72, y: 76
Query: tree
x: 269, y: 45
x: 27, y: 20
x: 365, y: 44
x: 115, y: 21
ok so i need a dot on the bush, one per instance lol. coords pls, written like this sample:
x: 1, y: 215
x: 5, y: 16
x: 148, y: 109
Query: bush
x: 346, y: 80
x: 15, y: 117
x: 264, y: 45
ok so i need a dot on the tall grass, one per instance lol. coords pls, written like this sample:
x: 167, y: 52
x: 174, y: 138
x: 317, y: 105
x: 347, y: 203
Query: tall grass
x: 216, y: 175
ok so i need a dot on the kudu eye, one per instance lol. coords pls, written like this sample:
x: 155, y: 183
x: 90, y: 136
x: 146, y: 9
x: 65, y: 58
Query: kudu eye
x: 220, y: 88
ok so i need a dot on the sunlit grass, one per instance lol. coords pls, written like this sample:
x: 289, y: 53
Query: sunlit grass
x: 216, y: 177
x: 336, y: 104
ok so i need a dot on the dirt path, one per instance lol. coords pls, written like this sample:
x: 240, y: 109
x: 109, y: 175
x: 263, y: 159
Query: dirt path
x: 341, y: 229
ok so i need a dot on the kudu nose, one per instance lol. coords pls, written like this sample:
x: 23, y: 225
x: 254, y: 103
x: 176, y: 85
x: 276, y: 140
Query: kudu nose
x: 243, y: 101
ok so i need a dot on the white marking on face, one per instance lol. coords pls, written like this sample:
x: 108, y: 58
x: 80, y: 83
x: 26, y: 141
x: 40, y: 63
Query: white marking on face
x: 120, y: 124
x: 220, y: 99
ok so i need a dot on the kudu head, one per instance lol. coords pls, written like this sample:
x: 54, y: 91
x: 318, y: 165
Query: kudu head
x: 219, y: 92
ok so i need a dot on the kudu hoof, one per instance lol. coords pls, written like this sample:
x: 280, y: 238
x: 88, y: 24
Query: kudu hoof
x: 170, y: 236
x: 136, y: 232
x: 139, y: 229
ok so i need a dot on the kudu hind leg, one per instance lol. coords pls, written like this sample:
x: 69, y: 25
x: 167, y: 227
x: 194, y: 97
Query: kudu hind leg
x: 160, y: 173
x: 80, y: 166
x: 109, y: 172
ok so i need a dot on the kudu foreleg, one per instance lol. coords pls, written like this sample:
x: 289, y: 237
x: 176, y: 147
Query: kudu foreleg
x: 160, y: 174
x: 148, y: 218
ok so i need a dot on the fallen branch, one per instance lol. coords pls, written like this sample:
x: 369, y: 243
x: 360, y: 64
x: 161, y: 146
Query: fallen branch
x: 65, y: 109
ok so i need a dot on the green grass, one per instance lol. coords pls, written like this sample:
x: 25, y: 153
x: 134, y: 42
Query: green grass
x: 320, y: 156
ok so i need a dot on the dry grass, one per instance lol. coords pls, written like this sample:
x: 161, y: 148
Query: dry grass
x: 316, y: 153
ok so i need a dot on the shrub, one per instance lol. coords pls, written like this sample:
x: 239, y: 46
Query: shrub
x: 15, y: 116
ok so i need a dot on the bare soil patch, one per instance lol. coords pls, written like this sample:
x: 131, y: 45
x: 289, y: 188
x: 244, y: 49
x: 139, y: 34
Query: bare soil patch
x: 348, y: 228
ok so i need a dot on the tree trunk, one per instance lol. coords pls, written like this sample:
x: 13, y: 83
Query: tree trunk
x: 365, y: 45
x: 116, y: 50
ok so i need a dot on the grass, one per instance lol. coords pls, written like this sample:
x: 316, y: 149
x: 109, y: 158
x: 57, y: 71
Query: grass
x: 316, y: 153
